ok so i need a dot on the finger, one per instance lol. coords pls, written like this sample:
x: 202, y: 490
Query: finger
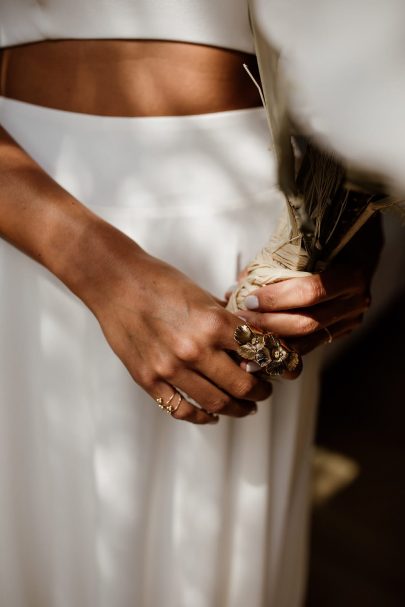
x: 307, y: 291
x: 185, y: 411
x: 226, y: 373
x: 307, y: 321
x: 189, y: 413
x: 322, y: 337
x: 223, y: 337
x: 210, y: 397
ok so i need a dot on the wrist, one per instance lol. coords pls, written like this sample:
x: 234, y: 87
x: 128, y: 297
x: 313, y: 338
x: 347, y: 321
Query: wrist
x: 47, y: 223
x: 97, y: 264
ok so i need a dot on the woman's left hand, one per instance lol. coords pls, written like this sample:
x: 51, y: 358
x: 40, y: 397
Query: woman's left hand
x: 311, y: 310
x: 314, y: 310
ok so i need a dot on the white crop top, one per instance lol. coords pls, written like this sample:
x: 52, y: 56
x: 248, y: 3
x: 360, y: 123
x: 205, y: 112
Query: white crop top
x: 223, y: 23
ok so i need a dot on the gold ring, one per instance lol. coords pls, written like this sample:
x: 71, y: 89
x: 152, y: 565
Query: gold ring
x: 329, y: 334
x: 267, y: 350
x: 168, y: 407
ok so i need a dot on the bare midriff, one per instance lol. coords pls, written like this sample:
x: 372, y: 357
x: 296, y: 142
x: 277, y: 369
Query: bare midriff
x: 129, y: 77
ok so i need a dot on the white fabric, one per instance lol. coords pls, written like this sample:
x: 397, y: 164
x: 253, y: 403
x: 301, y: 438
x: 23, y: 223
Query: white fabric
x: 344, y: 62
x: 104, y: 499
x: 222, y: 23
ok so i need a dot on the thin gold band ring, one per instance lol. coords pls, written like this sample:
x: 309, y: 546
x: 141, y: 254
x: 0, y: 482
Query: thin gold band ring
x: 168, y: 407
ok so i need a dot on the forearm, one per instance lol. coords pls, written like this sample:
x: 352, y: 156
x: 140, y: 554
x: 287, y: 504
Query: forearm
x: 165, y: 329
x: 44, y: 221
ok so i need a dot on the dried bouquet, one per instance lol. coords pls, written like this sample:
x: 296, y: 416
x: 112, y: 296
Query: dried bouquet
x: 325, y: 205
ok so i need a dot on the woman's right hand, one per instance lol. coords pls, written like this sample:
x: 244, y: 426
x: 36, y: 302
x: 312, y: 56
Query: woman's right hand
x: 170, y: 334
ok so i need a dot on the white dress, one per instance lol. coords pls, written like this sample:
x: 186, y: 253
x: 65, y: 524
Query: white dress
x: 105, y: 501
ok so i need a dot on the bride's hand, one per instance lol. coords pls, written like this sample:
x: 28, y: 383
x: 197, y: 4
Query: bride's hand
x: 167, y: 331
x: 171, y: 334
x: 313, y: 310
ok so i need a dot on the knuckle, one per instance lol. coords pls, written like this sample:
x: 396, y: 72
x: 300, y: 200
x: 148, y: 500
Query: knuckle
x: 188, y: 350
x: 315, y: 290
x: 307, y: 325
x: 182, y: 414
x: 166, y: 368
x: 219, y: 404
x: 303, y: 293
x: 243, y: 387
x: 267, y: 298
x: 147, y: 379
x: 213, y: 324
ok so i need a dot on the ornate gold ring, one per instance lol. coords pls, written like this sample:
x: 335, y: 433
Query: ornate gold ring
x: 267, y: 350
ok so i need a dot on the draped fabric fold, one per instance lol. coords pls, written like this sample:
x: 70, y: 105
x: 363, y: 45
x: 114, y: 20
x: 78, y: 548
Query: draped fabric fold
x: 105, y: 500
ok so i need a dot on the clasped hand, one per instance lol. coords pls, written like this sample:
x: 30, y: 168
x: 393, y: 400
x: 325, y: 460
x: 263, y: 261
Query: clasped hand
x: 313, y: 310
x: 171, y: 334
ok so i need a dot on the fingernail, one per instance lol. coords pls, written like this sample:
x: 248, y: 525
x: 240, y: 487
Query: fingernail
x: 252, y: 367
x: 214, y: 419
x: 253, y: 411
x: 251, y: 302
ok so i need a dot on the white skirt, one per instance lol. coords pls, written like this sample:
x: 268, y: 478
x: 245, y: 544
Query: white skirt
x: 105, y: 500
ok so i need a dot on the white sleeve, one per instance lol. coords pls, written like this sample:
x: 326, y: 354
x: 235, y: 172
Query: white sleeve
x: 344, y: 62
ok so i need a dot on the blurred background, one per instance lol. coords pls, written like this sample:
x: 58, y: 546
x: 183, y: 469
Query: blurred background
x: 358, y: 530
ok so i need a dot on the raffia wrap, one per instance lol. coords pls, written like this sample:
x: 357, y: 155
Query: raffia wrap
x: 277, y: 261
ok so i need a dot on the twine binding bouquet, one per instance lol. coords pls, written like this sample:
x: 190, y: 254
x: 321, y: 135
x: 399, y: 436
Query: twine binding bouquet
x: 325, y: 206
